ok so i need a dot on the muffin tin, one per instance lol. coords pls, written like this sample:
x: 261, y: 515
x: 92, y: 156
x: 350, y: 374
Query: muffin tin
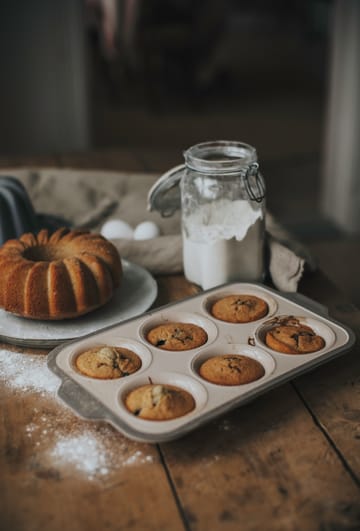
x: 103, y: 399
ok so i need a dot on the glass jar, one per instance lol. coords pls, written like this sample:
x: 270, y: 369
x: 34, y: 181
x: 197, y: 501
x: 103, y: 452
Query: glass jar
x: 223, y: 212
x: 222, y: 201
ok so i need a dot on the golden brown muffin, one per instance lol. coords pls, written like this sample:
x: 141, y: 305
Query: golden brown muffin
x: 231, y: 369
x: 177, y: 336
x: 239, y: 308
x: 108, y: 362
x: 58, y: 276
x: 293, y: 339
x: 159, y: 402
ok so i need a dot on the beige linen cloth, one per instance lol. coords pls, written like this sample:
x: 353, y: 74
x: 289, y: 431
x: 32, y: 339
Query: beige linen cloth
x: 87, y: 198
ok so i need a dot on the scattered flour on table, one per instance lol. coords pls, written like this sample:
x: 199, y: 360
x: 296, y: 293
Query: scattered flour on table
x: 82, y: 452
x: 27, y: 372
x: 95, y: 456
x: 60, y: 439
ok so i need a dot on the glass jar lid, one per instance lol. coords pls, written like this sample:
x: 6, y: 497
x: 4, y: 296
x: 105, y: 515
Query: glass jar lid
x: 165, y: 195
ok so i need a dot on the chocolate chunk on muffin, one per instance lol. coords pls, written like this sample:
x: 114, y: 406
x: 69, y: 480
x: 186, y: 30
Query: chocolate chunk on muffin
x: 239, y: 308
x: 159, y: 402
x: 231, y: 369
x: 177, y: 336
x: 294, y: 339
x: 107, y: 362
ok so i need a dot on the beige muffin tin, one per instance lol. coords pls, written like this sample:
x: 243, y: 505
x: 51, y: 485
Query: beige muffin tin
x: 103, y: 399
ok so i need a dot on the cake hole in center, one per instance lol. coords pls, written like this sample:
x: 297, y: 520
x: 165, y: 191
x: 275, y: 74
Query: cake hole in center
x: 45, y: 253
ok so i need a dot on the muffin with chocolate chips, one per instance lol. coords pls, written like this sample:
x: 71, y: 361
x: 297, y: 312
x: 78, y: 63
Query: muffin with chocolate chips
x: 292, y: 337
x: 239, y: 308
x: 177, y: 336
x: 231, y: 369
x: 159, y: 402
x: 108, y: 362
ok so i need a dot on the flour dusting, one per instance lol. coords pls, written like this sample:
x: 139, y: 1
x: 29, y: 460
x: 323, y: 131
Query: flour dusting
x: 95, y: 453
x: 83, y: 451
x: 59, y: 440
x: 27, y: 372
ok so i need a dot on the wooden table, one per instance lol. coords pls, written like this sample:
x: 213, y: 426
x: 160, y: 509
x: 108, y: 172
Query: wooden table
x: 290, y: 460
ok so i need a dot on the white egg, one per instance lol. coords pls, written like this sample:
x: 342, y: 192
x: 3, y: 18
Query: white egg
x: 146, y: 230
x: 117, y: 228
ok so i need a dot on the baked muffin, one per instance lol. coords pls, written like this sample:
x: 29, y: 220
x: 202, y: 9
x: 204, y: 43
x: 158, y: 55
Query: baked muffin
x: 239, y: 308
x: 159, y: 402
x: 108, y: 362
x: 293, y: 338
x: 177, y: 336
x: 231, y: 369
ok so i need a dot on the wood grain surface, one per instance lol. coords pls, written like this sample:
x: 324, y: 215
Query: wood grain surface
x: 290, y: 460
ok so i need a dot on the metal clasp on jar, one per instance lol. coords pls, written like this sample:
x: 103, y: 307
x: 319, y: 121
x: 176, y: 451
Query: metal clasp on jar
x: 254, y: 183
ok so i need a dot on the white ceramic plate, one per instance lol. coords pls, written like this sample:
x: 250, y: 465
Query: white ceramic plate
x: 136, y: 294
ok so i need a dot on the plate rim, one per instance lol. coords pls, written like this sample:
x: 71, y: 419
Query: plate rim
x: 53, y: 342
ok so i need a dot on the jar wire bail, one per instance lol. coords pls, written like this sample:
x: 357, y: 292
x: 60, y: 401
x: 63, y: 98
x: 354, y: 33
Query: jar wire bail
x: 254, y: 183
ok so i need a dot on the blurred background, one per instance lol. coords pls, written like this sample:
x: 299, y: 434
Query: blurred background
x: 156, y: 76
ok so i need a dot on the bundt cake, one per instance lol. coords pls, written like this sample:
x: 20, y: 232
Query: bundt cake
x: 61, y: 276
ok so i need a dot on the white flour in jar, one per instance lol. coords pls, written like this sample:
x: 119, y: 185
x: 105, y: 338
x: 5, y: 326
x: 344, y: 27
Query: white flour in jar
x: 223, y: 242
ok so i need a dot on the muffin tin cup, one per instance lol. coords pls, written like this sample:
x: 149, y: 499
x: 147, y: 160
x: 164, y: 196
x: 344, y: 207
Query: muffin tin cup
x: 256, y: 353
x: 213, y: 297
x: 104, y: 399
x: 179, y: 380
x: 135, y: 346
x: 319, y: 327
x: 178, y: 317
